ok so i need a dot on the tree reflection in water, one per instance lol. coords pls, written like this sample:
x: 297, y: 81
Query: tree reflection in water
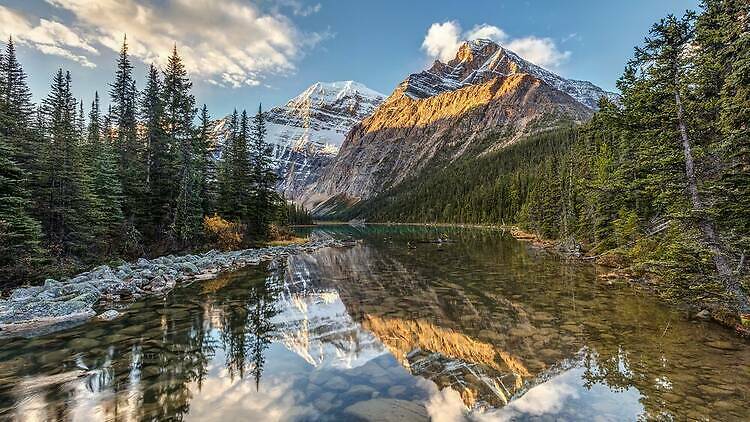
x: 504, y: 326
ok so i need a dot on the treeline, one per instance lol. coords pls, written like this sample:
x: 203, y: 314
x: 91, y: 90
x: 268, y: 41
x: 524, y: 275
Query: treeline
x: 79, y: 184
x: 298, y: 215
x: 659, y: 182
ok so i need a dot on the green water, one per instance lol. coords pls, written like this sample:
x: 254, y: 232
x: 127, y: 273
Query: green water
x: 481, y: 328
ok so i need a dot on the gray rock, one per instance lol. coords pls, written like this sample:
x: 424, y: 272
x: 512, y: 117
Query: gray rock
x: 388, y: 410
x: 108, y: 315
x: 336, y: 383
x: 68, y: 300
x: 188, y: 267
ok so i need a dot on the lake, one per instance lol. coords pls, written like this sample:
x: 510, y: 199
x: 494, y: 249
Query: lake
x: 481, y: 327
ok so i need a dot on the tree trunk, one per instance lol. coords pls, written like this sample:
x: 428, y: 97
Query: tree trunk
x: 706, y: 226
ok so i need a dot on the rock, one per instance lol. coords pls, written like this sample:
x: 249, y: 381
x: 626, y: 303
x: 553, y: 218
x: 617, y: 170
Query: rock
x: 704, y: 315
x: 361, y: 391
x: 54, y: 302
x: 396, y: 390
x: 336, y: 383
x: 108, y: 315
x: 188, y: 267
x: 388, y: 410
x: 324, y: 402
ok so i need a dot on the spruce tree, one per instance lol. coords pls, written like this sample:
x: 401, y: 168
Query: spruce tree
x: 179, y: 112
x: 131, y: 165
x: 265, y: 200
x: 160, y: 160
x: 15, y: 93
x: 105, y: 182
x: 206, y: 167
x: 20, y: 232
x: 67, y: 188
x: 227, y: 188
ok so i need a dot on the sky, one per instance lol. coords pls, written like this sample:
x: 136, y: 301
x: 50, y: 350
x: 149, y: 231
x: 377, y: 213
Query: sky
x: 240, y: 53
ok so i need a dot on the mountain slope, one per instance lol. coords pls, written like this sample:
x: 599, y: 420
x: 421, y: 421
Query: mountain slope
x: 308, y: 130
x: 442, y: 113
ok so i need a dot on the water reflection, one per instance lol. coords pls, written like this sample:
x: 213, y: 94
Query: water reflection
x: 483, y: 328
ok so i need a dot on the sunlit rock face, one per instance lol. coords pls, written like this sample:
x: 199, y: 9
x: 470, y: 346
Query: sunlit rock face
x: 443, y: 112
x: 306, y: 133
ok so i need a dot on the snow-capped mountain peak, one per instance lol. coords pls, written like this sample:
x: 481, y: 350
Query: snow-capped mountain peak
x: 480, y: 60
x: 330, y: 93
x: 308, y: 130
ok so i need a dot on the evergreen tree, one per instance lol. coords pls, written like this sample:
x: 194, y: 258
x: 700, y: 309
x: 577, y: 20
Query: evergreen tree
x: 161, y: 160
x: 227, y: 204
x: 666, y: 63
x: 15, y: 93
x: 20, y: 233
x: 105, y: 182
x: 179, y: 112
x: 123, y: 95
x: 265, y: 200
x: 67, y: 197
x: 206, y: 167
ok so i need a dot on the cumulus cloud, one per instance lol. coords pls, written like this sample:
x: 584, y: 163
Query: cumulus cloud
x: 229, y: 43
x: 47, y: 36
x: 443, y: 40
x: 232, y: 42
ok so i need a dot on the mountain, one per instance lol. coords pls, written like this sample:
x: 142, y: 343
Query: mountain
x: 308, y: 130
x: 446, y: 112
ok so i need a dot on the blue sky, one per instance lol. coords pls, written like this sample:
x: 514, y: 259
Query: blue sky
x: 242, y: 52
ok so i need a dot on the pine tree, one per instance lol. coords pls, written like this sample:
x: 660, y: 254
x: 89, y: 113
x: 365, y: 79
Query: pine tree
x: 160, y: 160
x: 179, y: 112
x: 105, y: 182
x: 15, y: 93
x: 227, y: 189
x: 131, y: 165
x: 206, y: 167
x: 67, y: 196
x: 665, y: 61
x: 265, y: 200
x: 20, y: 233
x: 723, y: 78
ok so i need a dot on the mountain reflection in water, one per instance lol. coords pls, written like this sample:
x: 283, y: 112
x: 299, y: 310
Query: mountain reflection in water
x: 483, y: 327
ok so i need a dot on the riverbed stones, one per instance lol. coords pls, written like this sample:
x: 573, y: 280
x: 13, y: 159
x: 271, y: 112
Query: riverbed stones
x: 382, y: 409
x: 29, y: 308
x: 108, y: 315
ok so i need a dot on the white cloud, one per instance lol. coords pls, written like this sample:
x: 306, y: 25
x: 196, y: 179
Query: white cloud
x: 443, y: 40
x: 487, y: 31
x: 229, y: 43
x: 47, y: 36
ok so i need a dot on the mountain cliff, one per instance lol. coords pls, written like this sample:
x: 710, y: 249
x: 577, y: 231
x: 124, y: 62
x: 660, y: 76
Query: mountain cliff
x: 305, y: 134
x: 445, y: 112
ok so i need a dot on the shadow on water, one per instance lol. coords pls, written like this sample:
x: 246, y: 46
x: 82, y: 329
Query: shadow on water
x: 481, y: 327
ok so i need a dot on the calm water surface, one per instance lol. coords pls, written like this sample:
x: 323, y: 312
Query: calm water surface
x: 481, y: 328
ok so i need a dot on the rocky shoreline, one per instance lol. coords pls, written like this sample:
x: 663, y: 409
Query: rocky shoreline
x: 57, y: 304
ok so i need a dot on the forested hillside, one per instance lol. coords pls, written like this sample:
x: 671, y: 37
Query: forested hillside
x: 659, y: 183
x: 79, y: 184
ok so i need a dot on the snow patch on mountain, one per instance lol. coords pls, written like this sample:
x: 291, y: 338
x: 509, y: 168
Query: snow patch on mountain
x: 306, y: 133
x: 479, y: 60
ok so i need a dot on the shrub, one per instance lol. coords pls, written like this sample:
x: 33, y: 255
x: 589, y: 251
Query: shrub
x: 223, y: 234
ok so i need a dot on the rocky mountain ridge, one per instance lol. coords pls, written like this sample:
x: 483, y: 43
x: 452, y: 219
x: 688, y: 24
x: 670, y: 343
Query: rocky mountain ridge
x: 305, y: 134
x: 440, y: 113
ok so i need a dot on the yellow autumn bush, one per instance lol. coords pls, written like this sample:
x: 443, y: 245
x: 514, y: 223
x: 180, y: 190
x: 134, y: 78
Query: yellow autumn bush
x: 223, y: 234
